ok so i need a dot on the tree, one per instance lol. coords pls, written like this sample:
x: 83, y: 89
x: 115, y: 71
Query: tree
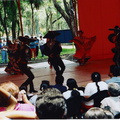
x: 20, y: 15
x: 34, y: 4
x: 68, y: 13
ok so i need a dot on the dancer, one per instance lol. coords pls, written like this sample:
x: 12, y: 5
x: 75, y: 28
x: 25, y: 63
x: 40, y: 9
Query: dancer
x: 52, y: 49
x: 13, y: 51
x: 83, y: 46
x: 115, y: 38
x: 24, y: 57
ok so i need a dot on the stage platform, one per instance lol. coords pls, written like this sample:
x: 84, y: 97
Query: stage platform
x: 73, y: 70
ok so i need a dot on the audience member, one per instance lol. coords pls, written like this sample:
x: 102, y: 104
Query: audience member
x: 74, y: 105
x: 93, y: 87
x: 72, y: 85
x: 109, y: 114
x: 95, y: 113
x: 7, y: 101
x: 18, y: 115
x: 51, y: 104
x: 114, y: 73
x: 113, y: 101
x: 59, y: 84
x: 44, y: 85
x: 20, y: 96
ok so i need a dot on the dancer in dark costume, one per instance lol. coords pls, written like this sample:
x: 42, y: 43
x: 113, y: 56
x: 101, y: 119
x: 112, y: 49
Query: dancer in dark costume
x: 52, y: 49
x: 115, y: 38
x: 24, y: 57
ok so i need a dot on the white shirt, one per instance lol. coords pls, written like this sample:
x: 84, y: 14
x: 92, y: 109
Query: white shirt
x: 4, y: 44
x: 41, y: 42
x: 67, y: 94
x: 113, y: 103
x: 91, y: 89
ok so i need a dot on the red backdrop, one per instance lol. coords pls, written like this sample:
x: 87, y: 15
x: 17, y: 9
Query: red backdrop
x: 95, y: 18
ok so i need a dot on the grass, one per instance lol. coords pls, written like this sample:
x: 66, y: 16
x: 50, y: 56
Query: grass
x: 65, y: 51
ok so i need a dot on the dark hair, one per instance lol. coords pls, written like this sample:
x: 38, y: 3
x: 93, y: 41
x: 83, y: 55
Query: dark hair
x: 59, y: 79
x: 44, y: 85
x: 96, y: 77
x: 50, y: 104
x: 115, y: 70
x: 75, y: 93
x: 71, y: 83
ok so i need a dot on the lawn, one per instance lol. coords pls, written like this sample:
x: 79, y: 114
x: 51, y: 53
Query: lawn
x: 66, y: 50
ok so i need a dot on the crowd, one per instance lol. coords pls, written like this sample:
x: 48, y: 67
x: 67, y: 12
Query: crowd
x: 97, y: 100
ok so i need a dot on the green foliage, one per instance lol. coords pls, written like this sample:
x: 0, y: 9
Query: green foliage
x: 68, y: 51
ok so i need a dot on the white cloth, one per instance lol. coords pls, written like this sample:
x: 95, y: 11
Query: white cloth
x: 67, y: 94
x: 33, y: 99
x: 4, y: 44
x: 41, y: 42
x: 113, y: 103
x: 91, y: 89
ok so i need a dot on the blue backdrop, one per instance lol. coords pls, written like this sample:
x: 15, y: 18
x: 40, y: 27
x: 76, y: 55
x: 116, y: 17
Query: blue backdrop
x: 65, y: 36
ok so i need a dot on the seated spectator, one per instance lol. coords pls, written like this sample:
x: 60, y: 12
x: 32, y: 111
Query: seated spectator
x: 109, y: 114
x: 20, y: 96
x: 95, y: 113
x: 50, y: 104
x: 7, y: 101
x: 93, y: 87
x: 59, y: 84
x: 113, y: 101
x: 72, y: 85
x: 44, y: 85
x: 12, y: 114
x: 114, y: 73
x: 74, y: 105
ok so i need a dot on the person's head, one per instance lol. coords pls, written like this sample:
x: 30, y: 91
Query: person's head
x: 51, y: 35
x: 116, y: 29
x: 114, y: 70
x: 44, y: 85
x: 80, y: 33
x: 59, y: 79
x: 50, y: 104
x: 75, y: 93
x: 11, y: 88
x: 96, y: 77
x: 109, y: 114
x: 114, y: 89
x: 71, y: 83
x: 95, y: 113
x: 40, y: 37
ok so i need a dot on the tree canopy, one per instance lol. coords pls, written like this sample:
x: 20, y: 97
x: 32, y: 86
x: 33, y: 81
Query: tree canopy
x: 35, y: 17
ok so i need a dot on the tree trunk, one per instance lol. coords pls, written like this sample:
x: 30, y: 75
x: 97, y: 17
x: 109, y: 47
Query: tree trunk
x: 20, y: 16
x: 68, y: 15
